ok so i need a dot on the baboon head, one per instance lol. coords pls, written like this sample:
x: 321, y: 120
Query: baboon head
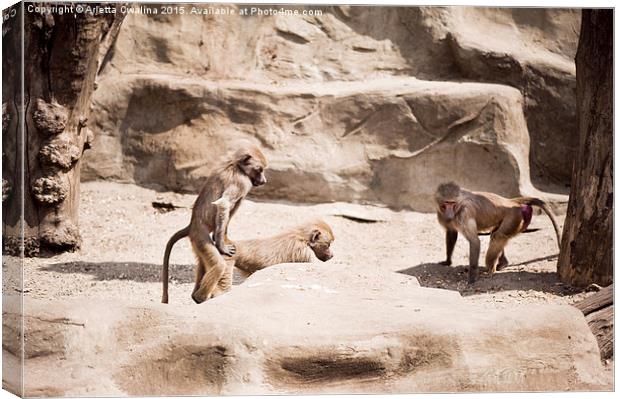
x: 320, y: 238
x: 252, y: 163
x: 447, y: 197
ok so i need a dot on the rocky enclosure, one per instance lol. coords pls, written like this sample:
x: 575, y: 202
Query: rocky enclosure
x: 364, y: 104
x: 372, y: 327
x: 356, y: 105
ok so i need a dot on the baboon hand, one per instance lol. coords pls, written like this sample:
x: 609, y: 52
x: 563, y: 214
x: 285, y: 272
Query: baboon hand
x: 227, y: 249
x: 446, y: 263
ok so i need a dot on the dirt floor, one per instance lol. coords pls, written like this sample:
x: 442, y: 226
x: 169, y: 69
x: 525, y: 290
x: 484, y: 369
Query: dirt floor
x: 124, y: 238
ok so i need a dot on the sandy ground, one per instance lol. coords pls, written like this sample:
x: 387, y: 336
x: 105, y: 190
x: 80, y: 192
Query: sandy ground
x: 124, y: 238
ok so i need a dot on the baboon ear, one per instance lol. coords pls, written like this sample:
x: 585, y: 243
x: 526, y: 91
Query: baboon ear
x: 246, y: 159
x: 314, y: 237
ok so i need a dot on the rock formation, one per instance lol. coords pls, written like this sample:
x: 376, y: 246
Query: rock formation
x: 338, y: 101
x: 304, y: 328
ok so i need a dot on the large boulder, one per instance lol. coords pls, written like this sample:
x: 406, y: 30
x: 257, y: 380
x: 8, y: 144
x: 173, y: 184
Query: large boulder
x: 302, y: 328
x: 530, y: 50
x: 385, y: 141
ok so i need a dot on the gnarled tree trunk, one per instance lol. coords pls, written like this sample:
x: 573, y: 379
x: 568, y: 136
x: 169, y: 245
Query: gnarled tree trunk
x: 586, y: 254
x: 61, y: 57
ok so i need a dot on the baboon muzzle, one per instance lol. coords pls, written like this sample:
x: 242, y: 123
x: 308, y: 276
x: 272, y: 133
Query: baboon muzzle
x: 326, y: 256
x: 259, y: 181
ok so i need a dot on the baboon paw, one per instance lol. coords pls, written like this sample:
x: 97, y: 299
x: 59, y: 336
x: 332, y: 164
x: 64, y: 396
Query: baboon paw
x: 472, y: 277
x: 228, y: 250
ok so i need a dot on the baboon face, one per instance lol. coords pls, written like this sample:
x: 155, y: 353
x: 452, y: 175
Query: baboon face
x: 253, y: 164
x: 320, y: 243
x: 448, y: 209
x: 447, y: 196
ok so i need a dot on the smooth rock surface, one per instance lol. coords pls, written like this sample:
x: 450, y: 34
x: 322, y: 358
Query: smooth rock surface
x: 304, y: 328
x: 531, y: 50
x: 387, y: 141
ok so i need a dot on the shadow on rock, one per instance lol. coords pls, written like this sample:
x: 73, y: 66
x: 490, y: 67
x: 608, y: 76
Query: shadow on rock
x: 512, y: 277
x: 135, y: 271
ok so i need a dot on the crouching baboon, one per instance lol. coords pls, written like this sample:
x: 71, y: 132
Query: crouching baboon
x: 466, y: 212
x: 297, y: 245
x: 217, y: 202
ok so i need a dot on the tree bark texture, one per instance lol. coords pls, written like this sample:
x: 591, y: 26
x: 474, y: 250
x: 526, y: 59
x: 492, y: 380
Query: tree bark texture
x: 60, y: 61
x: 586, y: 254
x: 599, y: 312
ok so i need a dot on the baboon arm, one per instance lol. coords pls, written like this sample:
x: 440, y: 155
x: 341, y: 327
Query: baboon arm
x: 474, y: 252
x: 222, y: 218
x: 451, y: 236
x: 470, y: 231
x: 224, y: 205
x: 229, y: 198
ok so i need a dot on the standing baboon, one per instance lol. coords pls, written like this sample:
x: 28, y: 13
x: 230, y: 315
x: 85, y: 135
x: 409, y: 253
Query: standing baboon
x: 466, y: 212
x: 217, y: 202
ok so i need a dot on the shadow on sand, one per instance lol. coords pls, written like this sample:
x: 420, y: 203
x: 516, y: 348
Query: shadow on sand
x: 434, y: 275
x: 512, y: 277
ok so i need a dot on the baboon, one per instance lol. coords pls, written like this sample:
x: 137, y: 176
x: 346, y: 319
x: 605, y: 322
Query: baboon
x: 466, y: 212
x: 217, y: 202
x: 295, y: 245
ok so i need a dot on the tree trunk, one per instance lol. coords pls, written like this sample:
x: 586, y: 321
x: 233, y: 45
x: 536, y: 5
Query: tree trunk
x: 586, y: 254
x: 61, y: 57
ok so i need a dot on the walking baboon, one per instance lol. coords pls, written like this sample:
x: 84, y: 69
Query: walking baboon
x: 217, y: 202
x: 467, y: 212
x: 298, y: 244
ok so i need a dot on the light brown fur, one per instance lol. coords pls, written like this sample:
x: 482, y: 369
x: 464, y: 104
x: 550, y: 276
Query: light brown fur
x: 468, y: 213
x: 217, y: 202
x: 295, y: 245
x: 299, y: 244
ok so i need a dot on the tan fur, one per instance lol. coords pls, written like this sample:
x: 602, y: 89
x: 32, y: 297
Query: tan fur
x: 217, y: 202
x: 288, y: 247
x: 470, y: 212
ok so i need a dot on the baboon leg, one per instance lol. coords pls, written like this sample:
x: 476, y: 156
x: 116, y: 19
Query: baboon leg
x: 503, y: 261
x: 225, y: 282
x: 200, y: 272
x: 215, y: 267
x: 510, y: 226
x: 495, y: 251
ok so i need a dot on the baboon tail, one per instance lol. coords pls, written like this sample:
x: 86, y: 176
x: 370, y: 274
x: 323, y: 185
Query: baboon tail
x: 164, y: 271
x: 545, y: 207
